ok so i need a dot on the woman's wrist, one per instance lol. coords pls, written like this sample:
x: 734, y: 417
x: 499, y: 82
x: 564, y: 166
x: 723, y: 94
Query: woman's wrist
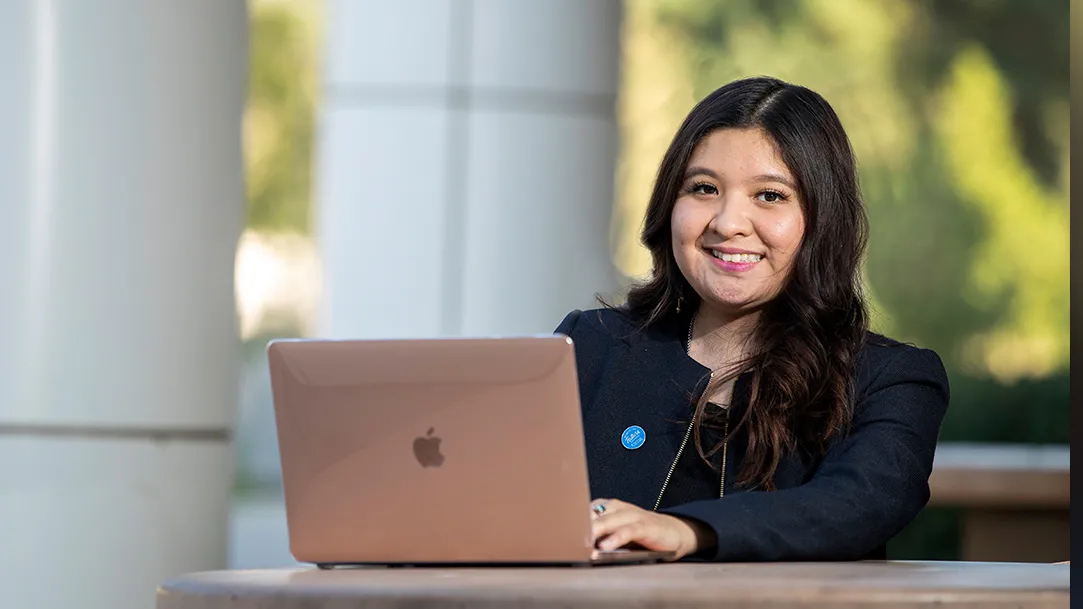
x: 698, y: 536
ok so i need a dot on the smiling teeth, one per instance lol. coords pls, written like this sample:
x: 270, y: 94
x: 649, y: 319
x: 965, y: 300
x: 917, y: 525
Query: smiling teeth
x: 746, y: 258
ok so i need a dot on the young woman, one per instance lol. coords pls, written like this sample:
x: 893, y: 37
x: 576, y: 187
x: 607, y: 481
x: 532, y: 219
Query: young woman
x: 736, y: 406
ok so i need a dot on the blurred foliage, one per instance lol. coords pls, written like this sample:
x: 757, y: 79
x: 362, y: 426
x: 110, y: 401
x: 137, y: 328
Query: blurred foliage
x: 278, y: 123
x: 958, y: 112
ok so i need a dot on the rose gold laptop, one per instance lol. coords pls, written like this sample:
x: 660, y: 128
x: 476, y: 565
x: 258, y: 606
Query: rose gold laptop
x: 434, y: 451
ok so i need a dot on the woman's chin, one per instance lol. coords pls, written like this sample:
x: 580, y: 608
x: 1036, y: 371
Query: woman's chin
x: 732, y: 305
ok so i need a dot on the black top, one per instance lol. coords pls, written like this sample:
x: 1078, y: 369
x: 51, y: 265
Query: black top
x: 694, y: 478
x: 844, y: 505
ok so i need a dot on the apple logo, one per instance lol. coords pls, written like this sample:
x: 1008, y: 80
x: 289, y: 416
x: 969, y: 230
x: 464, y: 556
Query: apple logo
x: 427, y: 450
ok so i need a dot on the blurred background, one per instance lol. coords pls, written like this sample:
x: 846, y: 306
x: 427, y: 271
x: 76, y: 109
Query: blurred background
x: 185, y: 180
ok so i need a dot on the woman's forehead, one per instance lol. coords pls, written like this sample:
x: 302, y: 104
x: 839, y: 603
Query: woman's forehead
x: 739, y: 152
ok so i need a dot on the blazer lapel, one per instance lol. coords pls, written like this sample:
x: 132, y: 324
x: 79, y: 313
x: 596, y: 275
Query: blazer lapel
x: 650, y: 382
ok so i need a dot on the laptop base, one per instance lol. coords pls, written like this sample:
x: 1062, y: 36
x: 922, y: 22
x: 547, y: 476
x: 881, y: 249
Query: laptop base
x: 598, y: 558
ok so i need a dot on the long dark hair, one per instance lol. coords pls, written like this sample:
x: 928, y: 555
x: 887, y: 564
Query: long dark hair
x: 807, y: 338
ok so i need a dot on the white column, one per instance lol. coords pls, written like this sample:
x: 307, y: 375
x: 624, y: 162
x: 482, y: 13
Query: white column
x: 121, y: 201
x: 466, y: 164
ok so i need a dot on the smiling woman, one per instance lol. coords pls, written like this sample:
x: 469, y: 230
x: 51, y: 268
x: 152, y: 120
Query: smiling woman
x: 811, y: 438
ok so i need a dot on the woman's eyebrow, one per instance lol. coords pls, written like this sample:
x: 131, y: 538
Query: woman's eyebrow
x: 774, y: 177
x: 696, y: 170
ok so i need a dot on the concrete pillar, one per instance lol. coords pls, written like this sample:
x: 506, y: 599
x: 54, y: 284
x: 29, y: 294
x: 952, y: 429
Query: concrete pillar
x: 121, y: 201
x: 466, y: 156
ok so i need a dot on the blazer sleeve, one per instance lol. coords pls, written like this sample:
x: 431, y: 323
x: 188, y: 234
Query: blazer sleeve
x: 869, y: 485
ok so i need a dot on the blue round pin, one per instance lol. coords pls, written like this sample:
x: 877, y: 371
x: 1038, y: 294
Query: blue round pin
x: 633, y: 437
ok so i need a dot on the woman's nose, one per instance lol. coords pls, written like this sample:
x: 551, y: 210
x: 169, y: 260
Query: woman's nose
x: 731, y: 218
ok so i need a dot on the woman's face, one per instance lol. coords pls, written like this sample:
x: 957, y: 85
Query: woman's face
x: 737, y: 222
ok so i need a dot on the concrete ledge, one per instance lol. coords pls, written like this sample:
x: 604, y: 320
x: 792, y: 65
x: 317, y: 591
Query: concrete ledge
x: 1015, y: 499
x: 1001, y: 476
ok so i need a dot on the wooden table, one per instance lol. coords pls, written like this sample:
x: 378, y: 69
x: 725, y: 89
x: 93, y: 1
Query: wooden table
x: 894, y: 585
x: 1014, y: 497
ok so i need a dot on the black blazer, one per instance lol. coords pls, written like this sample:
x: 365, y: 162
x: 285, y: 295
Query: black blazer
x: 844, y: 505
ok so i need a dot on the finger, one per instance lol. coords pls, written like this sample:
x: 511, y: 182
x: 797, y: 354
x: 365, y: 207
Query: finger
x: 611, y: 521
x: 609, y: 502
x: 601, y: 507
x: 646, y: 535
x: 633, y: 532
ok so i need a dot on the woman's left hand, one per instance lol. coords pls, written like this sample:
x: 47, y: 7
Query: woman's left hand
x: 622, y: 523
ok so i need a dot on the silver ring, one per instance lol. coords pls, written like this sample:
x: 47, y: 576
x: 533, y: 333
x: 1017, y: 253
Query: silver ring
x: 599, y: 508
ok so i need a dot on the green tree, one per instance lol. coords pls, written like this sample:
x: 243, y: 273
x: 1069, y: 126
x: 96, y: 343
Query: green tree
x: 280, y: 116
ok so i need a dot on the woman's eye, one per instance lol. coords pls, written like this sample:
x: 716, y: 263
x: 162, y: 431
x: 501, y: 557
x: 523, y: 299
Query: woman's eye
x: 703, y: 188
x: 770, y: 196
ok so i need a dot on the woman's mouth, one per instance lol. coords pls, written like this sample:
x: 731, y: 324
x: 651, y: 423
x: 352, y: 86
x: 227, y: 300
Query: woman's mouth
x: 734, y: 262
